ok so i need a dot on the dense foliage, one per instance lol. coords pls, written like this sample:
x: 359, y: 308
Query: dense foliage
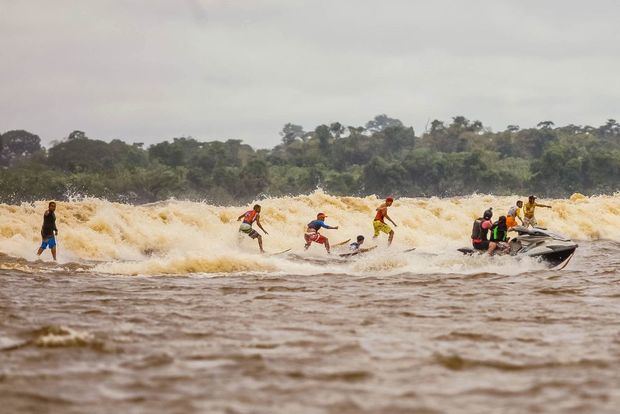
x: 383, y: 157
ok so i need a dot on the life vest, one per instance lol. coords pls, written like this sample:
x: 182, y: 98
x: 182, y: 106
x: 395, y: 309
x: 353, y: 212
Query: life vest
x: 498, y: 233
x: 250, y: 216
x: 49, y: 224
x: 477, y: 232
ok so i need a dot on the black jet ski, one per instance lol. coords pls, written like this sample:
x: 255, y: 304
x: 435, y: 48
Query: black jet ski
x: 542, y: 244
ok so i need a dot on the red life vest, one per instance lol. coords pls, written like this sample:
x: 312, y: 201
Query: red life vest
x: 250, y: 216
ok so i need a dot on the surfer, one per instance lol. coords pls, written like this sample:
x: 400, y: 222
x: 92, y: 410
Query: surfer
x: 355, y: 246
x: 49, y: 230
x: 513, y: 214
x: 480, y: 231
x: 528, y: 212
x: 379, y: 224
x: 312, y: 232
x: 249, y: 217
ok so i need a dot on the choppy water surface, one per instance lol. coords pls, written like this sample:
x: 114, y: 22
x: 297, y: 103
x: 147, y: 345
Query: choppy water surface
x: 538, y: 341
x: 159, y: 308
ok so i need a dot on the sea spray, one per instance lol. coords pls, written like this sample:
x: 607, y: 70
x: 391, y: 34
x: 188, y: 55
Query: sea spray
x: 180, y: 237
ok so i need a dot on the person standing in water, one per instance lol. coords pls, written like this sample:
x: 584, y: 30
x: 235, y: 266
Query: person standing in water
x: 49, y: 230
x: 312, y: 232
x: 249, y: 217
x: 513, y: 214
x: 379, y: 224
x: 528, y: 212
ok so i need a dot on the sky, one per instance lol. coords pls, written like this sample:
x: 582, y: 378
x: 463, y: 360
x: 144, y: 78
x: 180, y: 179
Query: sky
x: 150, y: 70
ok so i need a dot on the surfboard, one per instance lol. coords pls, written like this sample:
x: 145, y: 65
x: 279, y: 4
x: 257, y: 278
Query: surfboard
x: 357, y: 252
x: 341, y: 243
x: 278, y: 253
x: 317, y: 260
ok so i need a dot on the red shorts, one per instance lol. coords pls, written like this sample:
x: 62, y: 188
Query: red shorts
x: 314, y: 237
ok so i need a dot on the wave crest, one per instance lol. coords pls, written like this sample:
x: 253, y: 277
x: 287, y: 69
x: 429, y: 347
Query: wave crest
x: 179, y: 237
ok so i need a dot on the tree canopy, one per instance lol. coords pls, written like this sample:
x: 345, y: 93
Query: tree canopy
x: 383, y: 157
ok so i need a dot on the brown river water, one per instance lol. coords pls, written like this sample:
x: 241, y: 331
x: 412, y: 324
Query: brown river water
x: 123, y: 326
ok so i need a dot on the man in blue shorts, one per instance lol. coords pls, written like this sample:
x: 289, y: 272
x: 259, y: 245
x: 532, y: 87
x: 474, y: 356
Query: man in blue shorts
x: 49, y: 230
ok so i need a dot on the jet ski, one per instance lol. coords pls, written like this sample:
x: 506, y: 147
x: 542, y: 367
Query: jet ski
x: 546, y: 246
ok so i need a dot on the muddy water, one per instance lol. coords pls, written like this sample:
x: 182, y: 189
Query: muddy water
x: 75, y: 340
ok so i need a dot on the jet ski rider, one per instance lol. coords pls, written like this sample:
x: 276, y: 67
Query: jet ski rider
x: 480, y: 230
x: 499, y: 237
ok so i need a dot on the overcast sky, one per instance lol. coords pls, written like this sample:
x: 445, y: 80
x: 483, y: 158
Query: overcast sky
x: 149, y: 70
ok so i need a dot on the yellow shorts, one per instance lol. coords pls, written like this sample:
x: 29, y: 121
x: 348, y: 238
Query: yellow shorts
x: 381, y: 227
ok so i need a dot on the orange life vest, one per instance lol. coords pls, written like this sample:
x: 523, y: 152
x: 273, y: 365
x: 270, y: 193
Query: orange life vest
x: 250, y: 216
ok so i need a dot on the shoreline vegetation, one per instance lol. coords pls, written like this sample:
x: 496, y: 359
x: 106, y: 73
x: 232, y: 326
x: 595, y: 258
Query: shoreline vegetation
x: 384, y: 157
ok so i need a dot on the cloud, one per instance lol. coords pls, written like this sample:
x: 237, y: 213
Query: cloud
x: 155, y: 69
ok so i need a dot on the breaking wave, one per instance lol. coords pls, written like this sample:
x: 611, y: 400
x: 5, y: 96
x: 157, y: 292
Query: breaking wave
x: 182, y: 237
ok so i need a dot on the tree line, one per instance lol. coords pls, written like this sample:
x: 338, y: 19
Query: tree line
x: 382, y: 157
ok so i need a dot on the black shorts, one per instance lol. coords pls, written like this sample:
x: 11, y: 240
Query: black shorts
x: 483, y: 245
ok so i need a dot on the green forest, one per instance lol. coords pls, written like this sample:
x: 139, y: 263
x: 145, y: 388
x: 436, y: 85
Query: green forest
x: 383, y: 157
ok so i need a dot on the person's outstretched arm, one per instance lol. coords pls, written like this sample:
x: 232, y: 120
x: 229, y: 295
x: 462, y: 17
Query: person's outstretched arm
x: 260, y: 225
x: 391, y: 221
